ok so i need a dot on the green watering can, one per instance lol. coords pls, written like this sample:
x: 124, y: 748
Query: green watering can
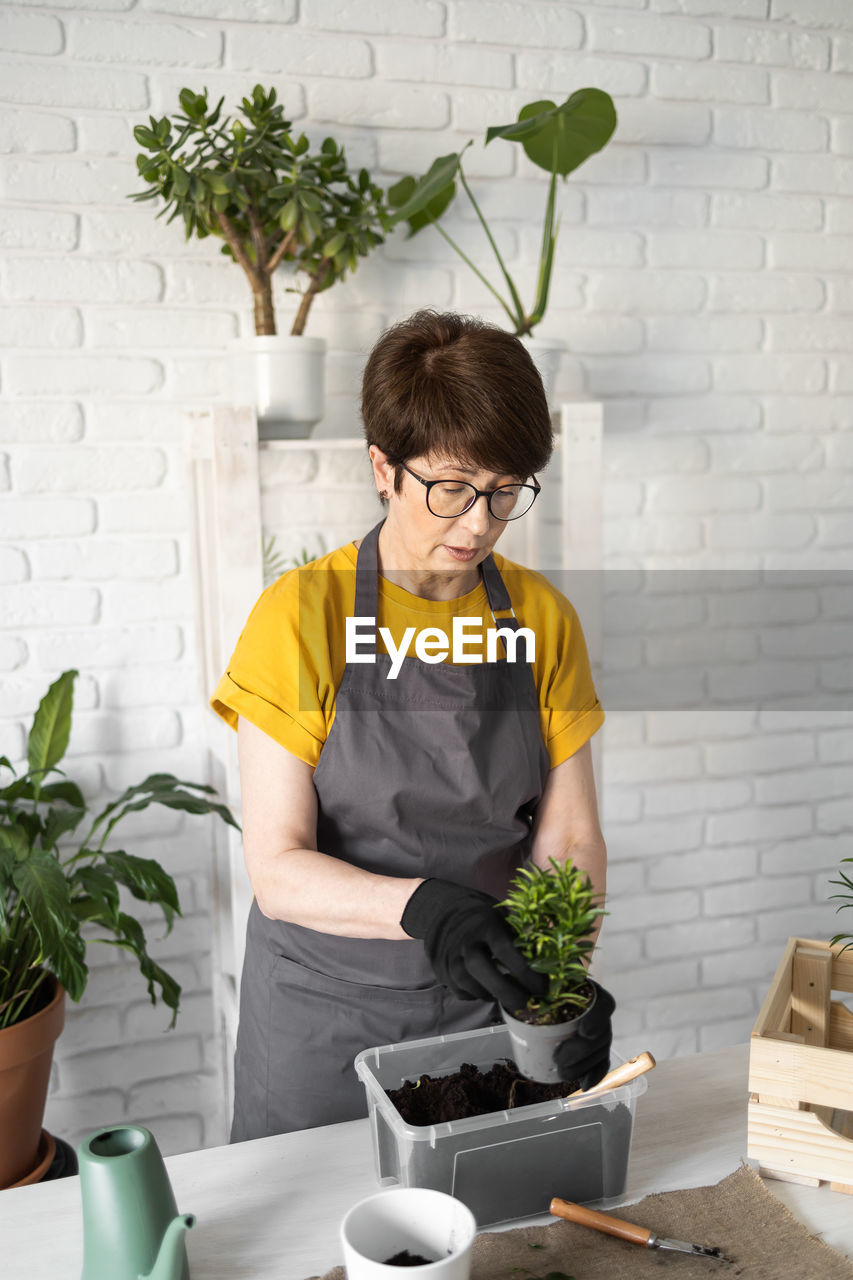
x: 131, y: 1226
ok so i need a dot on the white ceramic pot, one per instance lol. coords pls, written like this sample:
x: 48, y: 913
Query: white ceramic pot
x: 546, y: 354
x: 424, y: 1223
x: 283, y: 377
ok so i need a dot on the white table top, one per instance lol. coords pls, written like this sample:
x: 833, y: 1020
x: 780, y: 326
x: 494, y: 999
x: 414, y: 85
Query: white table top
x: 270, y: 1209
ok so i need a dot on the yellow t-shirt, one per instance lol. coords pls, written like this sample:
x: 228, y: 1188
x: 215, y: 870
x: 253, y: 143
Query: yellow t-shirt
x: 289, y: 660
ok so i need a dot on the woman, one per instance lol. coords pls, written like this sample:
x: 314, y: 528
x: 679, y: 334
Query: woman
x: 390, y: 790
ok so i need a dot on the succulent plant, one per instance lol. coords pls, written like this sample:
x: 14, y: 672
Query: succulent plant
x: 553, y: 913
x: 265, y: 191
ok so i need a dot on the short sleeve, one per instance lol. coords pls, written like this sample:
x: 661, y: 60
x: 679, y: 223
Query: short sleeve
x: 263, y: 681
x: 570, y: 709
x: 570, y: 739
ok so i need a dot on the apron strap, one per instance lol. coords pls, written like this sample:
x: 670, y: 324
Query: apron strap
x: 497, y: 594
x: 367, y: 583
x: 367, y: 574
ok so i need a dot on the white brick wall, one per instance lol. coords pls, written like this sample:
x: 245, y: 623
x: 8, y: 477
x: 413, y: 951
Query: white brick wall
x: 703, y: 286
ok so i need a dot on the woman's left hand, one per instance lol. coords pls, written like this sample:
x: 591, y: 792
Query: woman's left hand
x: 586, y: 1056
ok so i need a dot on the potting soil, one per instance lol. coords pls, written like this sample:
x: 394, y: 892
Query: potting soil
x: 471, y: 1092
x: 406, y: 1259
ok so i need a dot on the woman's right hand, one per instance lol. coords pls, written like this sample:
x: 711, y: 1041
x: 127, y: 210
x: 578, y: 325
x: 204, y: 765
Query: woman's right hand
x: 470, y: 945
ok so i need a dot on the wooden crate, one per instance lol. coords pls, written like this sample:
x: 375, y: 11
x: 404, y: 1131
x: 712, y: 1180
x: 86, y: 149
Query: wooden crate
x: 800, y: 1114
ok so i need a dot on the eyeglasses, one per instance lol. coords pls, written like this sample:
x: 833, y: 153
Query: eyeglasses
x: 451, y: 498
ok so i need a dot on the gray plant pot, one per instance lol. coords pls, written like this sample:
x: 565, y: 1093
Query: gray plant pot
x: 534, y: 1046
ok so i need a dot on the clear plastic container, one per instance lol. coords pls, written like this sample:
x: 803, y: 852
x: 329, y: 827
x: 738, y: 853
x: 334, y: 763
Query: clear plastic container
x: 507, y: 1164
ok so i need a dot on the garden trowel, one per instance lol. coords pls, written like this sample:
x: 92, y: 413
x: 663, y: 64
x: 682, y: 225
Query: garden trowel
x: 630, y: 1231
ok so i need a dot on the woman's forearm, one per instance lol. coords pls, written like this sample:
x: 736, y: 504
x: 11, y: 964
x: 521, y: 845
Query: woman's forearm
x: 567, y: 825
x: 291, y: 880
x: 305, y: 887
x: 591, y: 858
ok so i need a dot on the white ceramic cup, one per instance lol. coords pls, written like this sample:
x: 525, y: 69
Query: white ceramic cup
x: 427, y: 1223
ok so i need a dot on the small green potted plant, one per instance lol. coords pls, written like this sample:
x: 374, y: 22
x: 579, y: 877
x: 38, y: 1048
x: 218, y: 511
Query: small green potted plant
x: 557, y: 139
x: 553, y: 914
x: 275, y: 563
x: 58, y: 892
x: 273, y: 199
x: 845, y: 883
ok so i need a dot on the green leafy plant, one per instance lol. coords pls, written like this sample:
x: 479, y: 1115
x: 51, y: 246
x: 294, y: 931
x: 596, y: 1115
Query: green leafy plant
x: 845, y: 883
x: 51, y: 889
x: 265, y: 192
x: 275, y: 563
x: 553, y: 914
x: 557, y: 139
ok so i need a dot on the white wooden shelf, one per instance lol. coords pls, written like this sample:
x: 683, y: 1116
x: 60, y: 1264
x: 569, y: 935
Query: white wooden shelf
x: 312, y: 442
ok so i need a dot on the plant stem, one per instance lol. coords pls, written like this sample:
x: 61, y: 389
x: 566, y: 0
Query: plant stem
x: 284, y: 246
x: 476, y: 270
x: 13, y: 923
x: 258, y: 240
x: 309, y: 295
x: 546, y: 255
x: 10, y: 1015
x: 25, y: 956
x: 519, y: 318
x: 239, y: 252
x: 264, y: 310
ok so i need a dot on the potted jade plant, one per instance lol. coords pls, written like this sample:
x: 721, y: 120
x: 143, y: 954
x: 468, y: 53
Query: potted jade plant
x: 273, y: 199
x: 553, y: 914
x: 59, y: 891
x: 557, y: 139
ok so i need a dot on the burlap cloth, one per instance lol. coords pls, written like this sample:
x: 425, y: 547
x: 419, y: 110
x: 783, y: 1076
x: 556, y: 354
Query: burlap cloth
x: 738, y: 1215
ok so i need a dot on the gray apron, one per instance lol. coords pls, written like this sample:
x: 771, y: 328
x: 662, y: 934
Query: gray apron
x: 435, y: 773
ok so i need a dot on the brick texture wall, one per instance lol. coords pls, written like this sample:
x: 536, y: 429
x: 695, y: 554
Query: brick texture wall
x: 703, y: 287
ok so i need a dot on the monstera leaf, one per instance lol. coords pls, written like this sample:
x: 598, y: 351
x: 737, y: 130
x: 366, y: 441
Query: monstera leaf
x: 556, y: 138
x: 423, y: 200
x: 559, y: 139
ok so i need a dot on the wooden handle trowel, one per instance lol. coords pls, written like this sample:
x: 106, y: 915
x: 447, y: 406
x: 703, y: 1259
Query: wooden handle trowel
x: 619, y: 1075
x: 630, y: 1231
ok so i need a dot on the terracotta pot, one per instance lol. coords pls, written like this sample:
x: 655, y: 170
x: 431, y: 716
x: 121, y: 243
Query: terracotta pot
x: 44, y: 1157
x: 26, y: 1053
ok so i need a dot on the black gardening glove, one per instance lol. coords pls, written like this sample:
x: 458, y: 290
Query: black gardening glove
x: 586, y: 1056
x: 470, y: 944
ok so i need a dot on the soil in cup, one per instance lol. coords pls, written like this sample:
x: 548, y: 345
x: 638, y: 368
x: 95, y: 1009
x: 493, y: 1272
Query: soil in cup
x: 406, y: 1259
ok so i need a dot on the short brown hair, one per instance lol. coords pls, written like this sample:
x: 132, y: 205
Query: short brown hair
x: 455, y: 386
